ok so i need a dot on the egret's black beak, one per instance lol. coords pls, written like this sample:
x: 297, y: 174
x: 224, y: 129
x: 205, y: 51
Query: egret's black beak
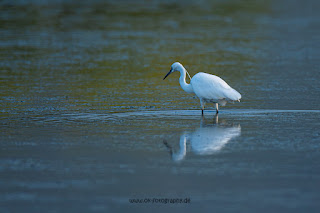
x: 167, y: 74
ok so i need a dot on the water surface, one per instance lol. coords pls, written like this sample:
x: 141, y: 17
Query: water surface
x: 87, y: 123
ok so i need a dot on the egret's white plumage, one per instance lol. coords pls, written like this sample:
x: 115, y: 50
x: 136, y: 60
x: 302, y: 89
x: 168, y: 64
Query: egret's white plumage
x: 207, y: 87
x: 206, y: 140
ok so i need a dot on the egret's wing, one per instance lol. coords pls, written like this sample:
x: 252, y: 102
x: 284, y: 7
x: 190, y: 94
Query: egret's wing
x: 207, y: 140
x: 212, y: 87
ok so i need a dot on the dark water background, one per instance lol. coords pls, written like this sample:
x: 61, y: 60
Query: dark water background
x: 87, y: 122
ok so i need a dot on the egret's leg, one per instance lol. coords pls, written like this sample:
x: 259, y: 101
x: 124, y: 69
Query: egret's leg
x: 216, y: 119
x: 217, y: 108
x: 202, y: 106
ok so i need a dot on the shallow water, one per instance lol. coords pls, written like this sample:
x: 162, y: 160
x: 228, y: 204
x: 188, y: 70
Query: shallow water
x: 88, y: 124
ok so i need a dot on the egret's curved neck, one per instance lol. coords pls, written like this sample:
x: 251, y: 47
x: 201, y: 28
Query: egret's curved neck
x: 182, y: 80
x: 183, y: 148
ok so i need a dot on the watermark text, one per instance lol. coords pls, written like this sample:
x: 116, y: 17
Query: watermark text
x: 160, y: 200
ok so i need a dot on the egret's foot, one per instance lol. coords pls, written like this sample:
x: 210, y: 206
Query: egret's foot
x: 217, y: 112
x: 202, y: 112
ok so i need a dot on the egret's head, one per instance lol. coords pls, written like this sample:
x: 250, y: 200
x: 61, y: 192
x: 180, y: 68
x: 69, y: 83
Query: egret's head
x: 176, y: 66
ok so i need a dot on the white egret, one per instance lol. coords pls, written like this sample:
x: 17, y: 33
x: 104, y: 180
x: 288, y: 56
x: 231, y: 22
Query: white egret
x: 208, y: 88
x: 206, y: 140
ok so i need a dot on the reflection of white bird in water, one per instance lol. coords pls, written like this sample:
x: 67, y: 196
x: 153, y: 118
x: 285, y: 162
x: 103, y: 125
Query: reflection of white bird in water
x: 206, y: 140
x: 209, y: 88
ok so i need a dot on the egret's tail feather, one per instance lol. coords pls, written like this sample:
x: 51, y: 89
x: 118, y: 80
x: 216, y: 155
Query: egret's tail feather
x: 233, y: 95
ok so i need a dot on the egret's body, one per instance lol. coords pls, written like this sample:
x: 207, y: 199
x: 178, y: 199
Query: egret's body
x: 206, y: 140
x: 208, y: 88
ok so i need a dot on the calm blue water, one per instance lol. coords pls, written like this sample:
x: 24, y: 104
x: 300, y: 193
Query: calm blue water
x: 88, y: 124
